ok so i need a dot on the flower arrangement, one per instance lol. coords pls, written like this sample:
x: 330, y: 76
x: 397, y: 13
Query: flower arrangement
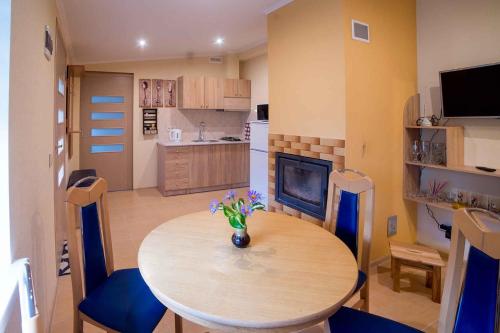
x: 236, y: 210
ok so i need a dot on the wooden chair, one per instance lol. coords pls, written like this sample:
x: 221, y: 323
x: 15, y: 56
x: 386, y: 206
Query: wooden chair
x: 114, y: 300
x: 471, y: 300
x: 343, y: 221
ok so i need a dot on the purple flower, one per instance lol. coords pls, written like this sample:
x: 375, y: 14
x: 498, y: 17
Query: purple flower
x: 214, y: 206
x: 246, y: 210
x: 254, y: 196
x: 230, y: 195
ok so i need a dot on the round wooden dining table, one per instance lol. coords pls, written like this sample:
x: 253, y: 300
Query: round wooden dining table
x: 293, y: 275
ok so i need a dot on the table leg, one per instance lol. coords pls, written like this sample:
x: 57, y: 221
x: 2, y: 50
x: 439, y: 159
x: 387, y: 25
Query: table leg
x: 436, y: 284
x: 428, y: 279
x: 178, y: 323
x: 396, y: 275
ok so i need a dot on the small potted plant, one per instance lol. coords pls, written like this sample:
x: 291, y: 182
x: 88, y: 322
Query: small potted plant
x: 237, y: 212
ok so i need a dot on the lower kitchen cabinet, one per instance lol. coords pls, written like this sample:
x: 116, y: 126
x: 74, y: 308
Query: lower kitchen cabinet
x: 198, y: 168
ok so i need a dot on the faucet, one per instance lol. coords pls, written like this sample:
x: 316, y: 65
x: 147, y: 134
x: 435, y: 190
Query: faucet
x: 201, y: 131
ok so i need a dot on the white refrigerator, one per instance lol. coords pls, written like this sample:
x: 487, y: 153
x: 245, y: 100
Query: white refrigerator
x: 259, y: 131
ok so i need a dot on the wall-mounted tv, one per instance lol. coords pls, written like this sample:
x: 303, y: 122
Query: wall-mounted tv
x: 471, y: 92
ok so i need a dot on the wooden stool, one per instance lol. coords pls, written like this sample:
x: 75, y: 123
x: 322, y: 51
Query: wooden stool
x: 421, y: 257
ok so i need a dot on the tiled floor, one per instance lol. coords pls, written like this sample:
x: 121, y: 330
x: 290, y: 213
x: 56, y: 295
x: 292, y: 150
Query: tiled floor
x: 135, y: 213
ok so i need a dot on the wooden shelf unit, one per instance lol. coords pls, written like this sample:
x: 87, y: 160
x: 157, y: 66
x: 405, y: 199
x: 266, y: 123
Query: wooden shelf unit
x: 452, y: 136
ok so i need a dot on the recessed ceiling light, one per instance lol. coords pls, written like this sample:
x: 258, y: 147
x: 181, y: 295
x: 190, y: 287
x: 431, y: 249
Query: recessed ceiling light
x: 219, y: 41
x: 142, y: 43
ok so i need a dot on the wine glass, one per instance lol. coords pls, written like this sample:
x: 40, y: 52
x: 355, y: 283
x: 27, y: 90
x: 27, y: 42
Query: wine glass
x: 415, y: 151
x: 425, y: 151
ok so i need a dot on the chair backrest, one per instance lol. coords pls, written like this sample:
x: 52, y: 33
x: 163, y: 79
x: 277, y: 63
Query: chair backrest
x: 342, y: 219
x: 87, y: 207
x: 471, y: 296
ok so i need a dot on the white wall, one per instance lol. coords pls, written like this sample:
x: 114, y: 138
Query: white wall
x: 256, y: 70
x: 453, y: 34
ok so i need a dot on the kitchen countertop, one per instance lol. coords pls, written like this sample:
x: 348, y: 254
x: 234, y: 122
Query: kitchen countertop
x: 191, y: 143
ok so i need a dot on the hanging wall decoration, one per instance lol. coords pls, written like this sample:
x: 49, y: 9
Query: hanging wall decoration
x: 144, y: 93
x: 170, y: 93
x: 157, y: 92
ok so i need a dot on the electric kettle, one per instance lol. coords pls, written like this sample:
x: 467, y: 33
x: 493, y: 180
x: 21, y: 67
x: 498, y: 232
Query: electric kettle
x: 175, y: 134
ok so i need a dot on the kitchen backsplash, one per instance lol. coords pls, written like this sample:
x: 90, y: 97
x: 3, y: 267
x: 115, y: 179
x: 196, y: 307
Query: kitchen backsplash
x: 217, y: 123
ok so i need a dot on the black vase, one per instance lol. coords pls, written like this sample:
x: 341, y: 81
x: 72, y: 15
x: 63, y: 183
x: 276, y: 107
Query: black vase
x: 240, y: 238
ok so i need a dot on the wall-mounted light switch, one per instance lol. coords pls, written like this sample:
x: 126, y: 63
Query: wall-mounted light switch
x: 392, y: 225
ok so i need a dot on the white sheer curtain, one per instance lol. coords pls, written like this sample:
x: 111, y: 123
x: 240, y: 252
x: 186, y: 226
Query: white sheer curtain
x: 7, y: 280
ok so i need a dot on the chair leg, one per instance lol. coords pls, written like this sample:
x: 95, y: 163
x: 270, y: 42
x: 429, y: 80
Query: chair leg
x: 393, y: 266
x: 428, y: 279
x: 396, y: 275
x: 364, y: 295
x: 178, y: 323
x: 77, y: 323
x: 436, y: 284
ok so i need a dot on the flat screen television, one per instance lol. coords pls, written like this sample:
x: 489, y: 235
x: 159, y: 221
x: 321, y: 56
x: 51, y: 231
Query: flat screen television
x: 471, y: 92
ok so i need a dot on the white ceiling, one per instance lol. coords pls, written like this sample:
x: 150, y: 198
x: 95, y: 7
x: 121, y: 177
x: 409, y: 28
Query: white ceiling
x: 108, y: 30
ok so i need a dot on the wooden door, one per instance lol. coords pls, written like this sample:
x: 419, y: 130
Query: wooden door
x: 214, y: 93
x: 231, y: 88
x: 60, y: 145
x: 244, y: 88
x: 106, y: 124
x: 191, y: 92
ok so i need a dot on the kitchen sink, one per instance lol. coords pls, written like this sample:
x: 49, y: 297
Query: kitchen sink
x: 198, y: 140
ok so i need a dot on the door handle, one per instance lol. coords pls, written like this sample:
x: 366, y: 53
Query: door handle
x: 74, y: 131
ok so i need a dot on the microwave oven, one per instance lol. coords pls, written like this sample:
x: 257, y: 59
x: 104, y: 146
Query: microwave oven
x: 263, y: 112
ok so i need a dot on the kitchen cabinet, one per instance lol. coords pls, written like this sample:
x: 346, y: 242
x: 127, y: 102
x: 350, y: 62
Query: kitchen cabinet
x: 237, y: 94
x: 214, y: 93
x: 237, y: 88
x: 201, y: 93
x: 199, y: 168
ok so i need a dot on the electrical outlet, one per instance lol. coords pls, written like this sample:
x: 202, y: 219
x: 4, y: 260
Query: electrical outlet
x: 392, y: 225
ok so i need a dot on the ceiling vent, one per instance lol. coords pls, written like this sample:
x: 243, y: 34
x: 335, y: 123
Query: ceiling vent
x: 360, y: 31
x: 215, y: 60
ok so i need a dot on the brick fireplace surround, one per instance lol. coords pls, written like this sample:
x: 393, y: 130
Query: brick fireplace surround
x: 325, y: 149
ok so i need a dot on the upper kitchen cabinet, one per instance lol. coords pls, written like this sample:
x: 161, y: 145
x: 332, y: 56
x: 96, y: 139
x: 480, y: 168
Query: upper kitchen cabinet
x: 237, y: 95
x: 191, y: 92
x: 237, y: 88
x: 200, y: 93
x: 214, y: 93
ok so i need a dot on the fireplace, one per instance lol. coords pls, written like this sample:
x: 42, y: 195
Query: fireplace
x: 302, y: 183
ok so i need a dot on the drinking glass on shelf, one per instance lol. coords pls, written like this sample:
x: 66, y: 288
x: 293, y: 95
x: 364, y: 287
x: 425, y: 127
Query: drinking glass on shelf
x: 425, y: 151
x: 438, y: 153
x: 415, y: 151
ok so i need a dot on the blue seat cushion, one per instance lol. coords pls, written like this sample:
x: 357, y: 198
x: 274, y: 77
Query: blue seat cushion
x: 354, y: 321
x: 361, y: 281
x: 123, y: 302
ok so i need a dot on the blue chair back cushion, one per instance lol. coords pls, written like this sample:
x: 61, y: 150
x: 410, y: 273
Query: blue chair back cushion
x: 477, y: 308
x: 94, y: 264
x: 347, y: 320
x: 347, y: 221
x: 124, y: 303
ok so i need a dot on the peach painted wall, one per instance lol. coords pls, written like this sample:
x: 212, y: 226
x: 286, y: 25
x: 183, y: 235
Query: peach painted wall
x: 306, y: 69
x: 380, y: 76
x: 31, y: 142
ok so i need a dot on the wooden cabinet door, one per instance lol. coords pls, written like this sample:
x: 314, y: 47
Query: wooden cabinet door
x: 191, y: 92
x: 244, y: 88
x: 214, y: 93
x: 231, y: 88
x: 200, y: 175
